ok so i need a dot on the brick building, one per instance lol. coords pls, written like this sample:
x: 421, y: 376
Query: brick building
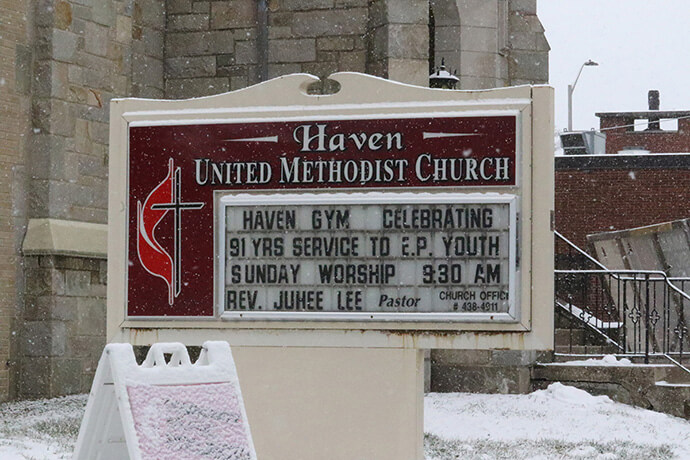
x: 61, y: 61
x: 627, y: 188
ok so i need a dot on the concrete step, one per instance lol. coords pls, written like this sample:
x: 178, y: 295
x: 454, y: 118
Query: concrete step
x: 586, y: 349
x: 635, y: 359
x: 635, y: 384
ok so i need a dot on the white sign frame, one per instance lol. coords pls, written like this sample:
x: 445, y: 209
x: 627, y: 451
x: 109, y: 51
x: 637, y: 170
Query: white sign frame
x: 360, y: 96
x: 280, y: 199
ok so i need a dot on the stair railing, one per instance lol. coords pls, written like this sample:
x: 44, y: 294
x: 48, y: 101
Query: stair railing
x: 632, y: 312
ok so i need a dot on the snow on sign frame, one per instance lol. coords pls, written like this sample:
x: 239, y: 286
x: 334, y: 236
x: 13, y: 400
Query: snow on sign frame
x: 165, y: 408
x: 178, y: 168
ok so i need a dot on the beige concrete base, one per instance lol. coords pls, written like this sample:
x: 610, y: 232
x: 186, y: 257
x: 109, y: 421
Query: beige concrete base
x: 333, y: 403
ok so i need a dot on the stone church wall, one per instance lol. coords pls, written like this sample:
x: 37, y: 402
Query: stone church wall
x: 62, y: 61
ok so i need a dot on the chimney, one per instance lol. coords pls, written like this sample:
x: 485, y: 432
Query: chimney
x: 653, y: 100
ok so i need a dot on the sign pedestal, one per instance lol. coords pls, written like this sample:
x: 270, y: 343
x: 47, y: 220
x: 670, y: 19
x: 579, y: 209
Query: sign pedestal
x: 334, y: 403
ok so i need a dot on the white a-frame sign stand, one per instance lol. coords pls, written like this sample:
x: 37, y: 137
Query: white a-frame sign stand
x: 165, y: 408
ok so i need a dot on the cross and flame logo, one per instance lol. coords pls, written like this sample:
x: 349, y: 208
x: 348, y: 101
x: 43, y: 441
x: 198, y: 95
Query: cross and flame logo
x: 164, y: 198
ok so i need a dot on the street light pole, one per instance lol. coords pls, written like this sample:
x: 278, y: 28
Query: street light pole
x: 571, y: 89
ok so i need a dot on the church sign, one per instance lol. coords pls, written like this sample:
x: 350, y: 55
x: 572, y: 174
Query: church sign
x: 444, y: 256
x: 382, y: 206
x: 330, y: 239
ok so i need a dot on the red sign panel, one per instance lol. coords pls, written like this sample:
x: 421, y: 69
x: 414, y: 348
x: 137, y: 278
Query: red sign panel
x: 174, y: 170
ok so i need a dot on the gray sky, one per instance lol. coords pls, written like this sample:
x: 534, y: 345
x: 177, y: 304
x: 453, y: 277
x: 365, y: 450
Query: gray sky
x: 639, y: 45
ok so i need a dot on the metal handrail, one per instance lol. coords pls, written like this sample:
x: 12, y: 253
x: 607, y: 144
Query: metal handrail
x: 659, y: 273
x: 580, y: 251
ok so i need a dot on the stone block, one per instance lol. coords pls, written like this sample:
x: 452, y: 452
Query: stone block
x: 103, y: 13
x: 513, y: 357
x: 525, y: 6
x: 98, y: 132
x: 244, y: 34
x: 523, y: 41
x: 148, y: 71
x: 351, y: 3
x: 233, y: 14
x: 238, y: 82
x: 189, y: 66
x: 412, y: 71
x: 407, y: 41
x: 66, y: 376
x: 34, y: 377
x: 378, y: 49
x: 445, y: 12
x: 377, y: 14
x: 234, y: 70
x: 478, y: 64
x: 201, y: 7
x: 87, y: 348
x: 77, y: 282
x: 152, y: 13
x: 480, y: 379
x: 225, y: 60
x: 91, y: 317
x: 408, y: 12
x: 531, y: 66
x: 469, y: 82
x: 276, y: 70
x: 460, y: 357
x: 61, y: 118
x: 123, y: 29
x: 279, y: 32
x: 63, y: 15
x: 22, y: 68
x: 304, y: 5
x: 179, y: 6
x: 542, y: 44
x: 280, y: 19
x: 43, y: 338
x: 88, y: 165
x: 447, y: 38
x: 65, y: 45
x: 292, y: 50
x: 80, y: 16
x: 200, y: 43
x: 59, y: 80
x: 354, y: 61
x: 181, y: 22
x: 246, y: 53
x: 96, y: 39
x: 479, y: 13
x: 330, y: 22
x: 49, y: 307
x: 335, y: 43
x: 484, y: 39
x: 179, y: 88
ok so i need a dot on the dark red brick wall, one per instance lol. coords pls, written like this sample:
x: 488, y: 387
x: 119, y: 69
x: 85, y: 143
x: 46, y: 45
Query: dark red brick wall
x: 655, y: 141
x: 597, y: 200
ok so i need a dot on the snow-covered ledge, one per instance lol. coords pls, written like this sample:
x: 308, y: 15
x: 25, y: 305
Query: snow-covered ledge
x: 66, y: 238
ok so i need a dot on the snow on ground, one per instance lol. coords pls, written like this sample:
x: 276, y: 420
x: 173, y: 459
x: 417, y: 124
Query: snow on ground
x: 560, y: 422
x: 41, y: 429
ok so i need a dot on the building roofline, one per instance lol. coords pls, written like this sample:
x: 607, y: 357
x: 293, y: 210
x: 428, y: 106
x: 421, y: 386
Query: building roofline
x: 623, y: 161
x: 646, y: 114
